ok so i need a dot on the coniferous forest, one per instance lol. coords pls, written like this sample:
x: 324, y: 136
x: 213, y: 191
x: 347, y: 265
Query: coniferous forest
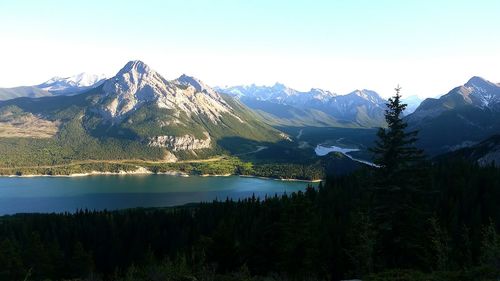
x: 409, y: 219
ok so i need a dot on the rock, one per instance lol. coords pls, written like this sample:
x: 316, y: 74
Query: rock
x: 186, y: 142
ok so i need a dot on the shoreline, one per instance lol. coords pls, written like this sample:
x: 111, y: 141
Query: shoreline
x: 279, y: 179
x: 138, y: 171
x: 141, y: 171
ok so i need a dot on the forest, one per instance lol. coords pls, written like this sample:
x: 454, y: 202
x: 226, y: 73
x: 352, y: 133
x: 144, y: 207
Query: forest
x: 339, y: 230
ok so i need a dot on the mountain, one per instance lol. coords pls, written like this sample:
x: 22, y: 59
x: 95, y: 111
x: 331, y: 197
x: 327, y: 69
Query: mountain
x: 281, y: 105
x: 137, y: 114
x: 412, y: 103
x: 22, y: 91
x: 73, y: 84
x: 464, y: 116
x: 55, y: 86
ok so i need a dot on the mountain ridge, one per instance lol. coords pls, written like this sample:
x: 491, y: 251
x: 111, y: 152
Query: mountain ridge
x: 360, y: 108
x: 464, y: 116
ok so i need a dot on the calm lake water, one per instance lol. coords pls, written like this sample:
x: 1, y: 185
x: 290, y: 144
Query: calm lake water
x: 59, y: 194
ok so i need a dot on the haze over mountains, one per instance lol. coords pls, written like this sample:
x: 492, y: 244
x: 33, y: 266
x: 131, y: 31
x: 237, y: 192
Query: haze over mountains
x: 166, y: 119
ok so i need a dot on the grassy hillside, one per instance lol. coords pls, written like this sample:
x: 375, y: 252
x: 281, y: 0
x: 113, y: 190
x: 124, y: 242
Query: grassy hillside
x: 79, y: 132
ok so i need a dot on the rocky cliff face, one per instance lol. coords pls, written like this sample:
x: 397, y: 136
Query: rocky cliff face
x: 136, y: 85
x: 178, y: 143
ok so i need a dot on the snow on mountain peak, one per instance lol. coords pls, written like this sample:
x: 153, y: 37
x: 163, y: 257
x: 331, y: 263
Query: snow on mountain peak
x: 85, y: 79
x: 481, y: 92
x: 75, y: 83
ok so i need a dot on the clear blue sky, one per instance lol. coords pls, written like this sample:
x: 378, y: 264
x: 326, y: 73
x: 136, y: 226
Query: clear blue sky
x: 427, y: 46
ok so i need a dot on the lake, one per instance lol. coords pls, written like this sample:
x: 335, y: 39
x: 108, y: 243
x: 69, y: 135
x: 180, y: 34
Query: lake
x: 321, y: 150
x: 61, y: 194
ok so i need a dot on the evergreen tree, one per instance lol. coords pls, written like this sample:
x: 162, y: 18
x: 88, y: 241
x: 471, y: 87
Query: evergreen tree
x: 397, y: 192
x: 490, y: 246
x: 395, y: 149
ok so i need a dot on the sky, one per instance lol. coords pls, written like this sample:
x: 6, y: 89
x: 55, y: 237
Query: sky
x: 428, y: 47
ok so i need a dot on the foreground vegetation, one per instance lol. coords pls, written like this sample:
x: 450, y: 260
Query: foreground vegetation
x: 332, y: 232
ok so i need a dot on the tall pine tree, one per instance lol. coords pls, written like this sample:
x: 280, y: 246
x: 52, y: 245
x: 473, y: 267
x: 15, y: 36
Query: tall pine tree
x: 397, y: 192
x: 395, y: 150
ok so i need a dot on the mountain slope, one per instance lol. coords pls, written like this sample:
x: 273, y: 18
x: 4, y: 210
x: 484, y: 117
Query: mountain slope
x: 135, y: 115
x: 466, y: 115
x: 285, y: 106
x: 412, y: 102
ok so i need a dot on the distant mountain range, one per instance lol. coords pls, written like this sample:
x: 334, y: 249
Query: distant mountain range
x: 55, y: 86
x: 281, y: 105
x: 184, y: 116
x: 73, y: 84
x: 277, y: 104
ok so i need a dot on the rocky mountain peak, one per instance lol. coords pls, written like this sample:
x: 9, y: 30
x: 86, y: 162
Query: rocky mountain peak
x: 476, y: 80
x: 137, y: 84
x: 135, y: 66
x: 368, y: 95
x: 279, y: 86
x: 197, y: 84
x: 321, y: 92
x: 482, y: 92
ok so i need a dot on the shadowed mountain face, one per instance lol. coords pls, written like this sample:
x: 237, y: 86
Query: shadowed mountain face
x: 281, y: 105
x: 141, y: 108
x: 466, y: 115
x: 484, y: 153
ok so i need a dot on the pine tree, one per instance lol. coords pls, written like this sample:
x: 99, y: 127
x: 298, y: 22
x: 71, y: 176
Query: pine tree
x: 395, y: 149
x: 397, y: 192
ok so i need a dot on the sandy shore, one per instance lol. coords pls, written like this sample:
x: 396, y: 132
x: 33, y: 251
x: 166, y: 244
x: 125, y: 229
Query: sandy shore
x: 144, y: 171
